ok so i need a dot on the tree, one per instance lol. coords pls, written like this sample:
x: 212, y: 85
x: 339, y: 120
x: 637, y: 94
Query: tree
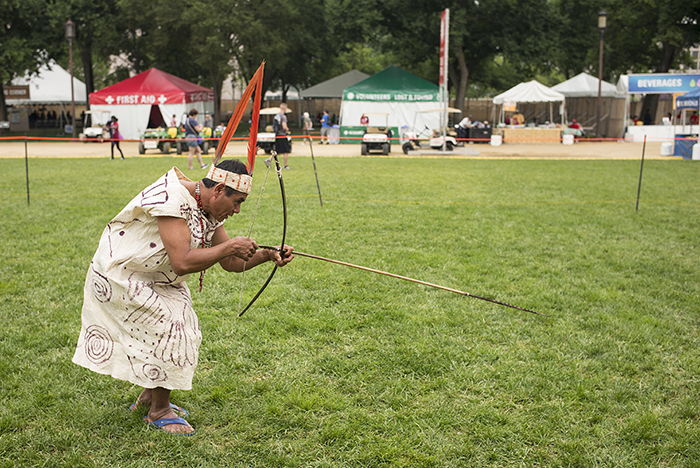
x: 647, y: 36
x: 95, y: 22
x: 22, y: 41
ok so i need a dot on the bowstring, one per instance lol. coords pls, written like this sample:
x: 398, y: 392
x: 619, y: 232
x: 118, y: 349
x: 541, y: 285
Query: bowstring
x: 250, y: 232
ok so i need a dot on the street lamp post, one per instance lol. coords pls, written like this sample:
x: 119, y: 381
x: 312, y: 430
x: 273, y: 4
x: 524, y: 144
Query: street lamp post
x: 602, y: 24
x: 70, y: 35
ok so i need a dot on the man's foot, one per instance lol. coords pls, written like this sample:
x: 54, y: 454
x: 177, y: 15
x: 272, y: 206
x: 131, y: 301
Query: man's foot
x: 169, y: 422
x: 204, y: 166
x: 189, y: 168
x: 267, y: 163
x: 287, y: 167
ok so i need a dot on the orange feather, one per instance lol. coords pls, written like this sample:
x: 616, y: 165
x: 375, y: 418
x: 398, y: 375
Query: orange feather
x: 253, y: 139
x: 237, y: 115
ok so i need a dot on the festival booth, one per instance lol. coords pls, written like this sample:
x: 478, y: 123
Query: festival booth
x: 394, y: 98
x: 517, y: 131
x: 50, y: 86
x: 687, y: 138
x: 581, y: 93
x: 150, y: 99
x: 657, y: 83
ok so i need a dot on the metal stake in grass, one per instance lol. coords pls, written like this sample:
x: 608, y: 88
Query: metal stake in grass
x: 406, y: 278
x: 26, y: 165
x: 311, y: 147
x: 641, y: 169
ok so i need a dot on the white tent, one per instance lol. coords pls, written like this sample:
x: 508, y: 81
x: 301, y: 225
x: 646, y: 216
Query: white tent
x: 51, y: 85
x: 585, y: 85
x: 532, y: 91
x: 151, y: 96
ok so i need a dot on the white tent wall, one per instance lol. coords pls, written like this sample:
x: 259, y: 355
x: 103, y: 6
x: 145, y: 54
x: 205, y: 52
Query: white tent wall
x: 178, y: 110
x: 400, y: 114
x: 133, y: 119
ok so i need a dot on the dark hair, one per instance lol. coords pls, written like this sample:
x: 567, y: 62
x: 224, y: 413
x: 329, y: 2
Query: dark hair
x: 193, y: 112
x: 230, y: 165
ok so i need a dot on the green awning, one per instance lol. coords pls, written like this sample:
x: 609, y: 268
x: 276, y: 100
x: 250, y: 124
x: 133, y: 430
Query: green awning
x: 393, y: 84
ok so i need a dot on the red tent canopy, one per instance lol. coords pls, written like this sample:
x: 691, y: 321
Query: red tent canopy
x: 152, y: 87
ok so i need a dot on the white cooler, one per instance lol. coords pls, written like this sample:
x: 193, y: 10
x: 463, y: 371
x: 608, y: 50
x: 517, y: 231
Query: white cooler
x: 696, y: 152
x: 567, y: 140
x: 666, y: 149
x: 496, y: 140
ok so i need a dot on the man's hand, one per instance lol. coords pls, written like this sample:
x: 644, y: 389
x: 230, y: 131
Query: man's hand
x: 282, y: 258
x: 242, y: 247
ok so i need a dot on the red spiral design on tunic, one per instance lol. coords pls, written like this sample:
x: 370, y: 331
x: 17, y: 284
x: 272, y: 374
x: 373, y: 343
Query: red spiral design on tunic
x: 98, y: 344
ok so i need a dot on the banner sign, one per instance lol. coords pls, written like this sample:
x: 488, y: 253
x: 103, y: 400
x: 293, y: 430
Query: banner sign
x: 444, y: 31
x: 663, y: 83
x: 16, y: 92
x: 169, y: 98
x: 390, y: 96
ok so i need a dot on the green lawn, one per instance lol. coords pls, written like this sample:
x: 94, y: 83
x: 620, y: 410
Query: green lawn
x: 336, y: 367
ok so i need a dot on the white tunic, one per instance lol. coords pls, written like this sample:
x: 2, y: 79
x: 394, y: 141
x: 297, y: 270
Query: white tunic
x: 138, y: 323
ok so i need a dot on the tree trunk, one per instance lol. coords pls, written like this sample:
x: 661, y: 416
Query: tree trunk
x: 651, y: 101
x: 3, y: 107
x: 86, y: 58
x: 463, y: 80
x: 217, y: 85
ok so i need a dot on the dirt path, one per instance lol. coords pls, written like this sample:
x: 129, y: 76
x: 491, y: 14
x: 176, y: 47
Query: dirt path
x: 583, y: 150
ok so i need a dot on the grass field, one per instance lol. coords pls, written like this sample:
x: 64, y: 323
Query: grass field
x: 335, y: 367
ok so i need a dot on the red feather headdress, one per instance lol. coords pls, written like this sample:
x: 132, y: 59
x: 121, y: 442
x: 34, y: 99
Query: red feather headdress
x: 255, y: 84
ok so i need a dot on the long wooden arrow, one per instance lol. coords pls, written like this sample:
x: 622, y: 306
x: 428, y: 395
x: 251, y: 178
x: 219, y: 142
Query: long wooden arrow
x: 406, y: 278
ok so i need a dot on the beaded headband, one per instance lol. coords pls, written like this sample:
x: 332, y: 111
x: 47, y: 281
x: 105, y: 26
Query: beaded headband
x: 240, y: 182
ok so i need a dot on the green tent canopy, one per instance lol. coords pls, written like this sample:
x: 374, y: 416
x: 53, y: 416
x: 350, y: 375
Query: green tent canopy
x: 394, y: 98
x: 392, y: 84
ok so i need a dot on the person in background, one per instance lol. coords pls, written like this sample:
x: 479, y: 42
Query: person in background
x: 207, y: 120
x: 647, y: 118
x: 192, y: 129
x: 282, y: 145
x: 308, y: 126
x: 325, y: 126
x: 114, y: 135
x: 173, y: 121
x: 694, y: 118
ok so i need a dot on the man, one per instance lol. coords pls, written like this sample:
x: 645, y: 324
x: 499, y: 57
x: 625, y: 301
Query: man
x: 192, y: 129
x: 325, y: 126
x: 207, y: 120
x: 282, y: 145
x: 138, y: 323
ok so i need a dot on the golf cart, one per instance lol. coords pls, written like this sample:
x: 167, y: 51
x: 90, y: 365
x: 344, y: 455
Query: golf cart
x: 437, y: 141
x: 266, y: 139
x: 94, y: 126
x: 377, y: 138
x: 157, y: 138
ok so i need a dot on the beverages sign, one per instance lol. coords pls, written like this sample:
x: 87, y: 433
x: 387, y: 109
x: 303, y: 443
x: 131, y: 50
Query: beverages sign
x: 663, y: 83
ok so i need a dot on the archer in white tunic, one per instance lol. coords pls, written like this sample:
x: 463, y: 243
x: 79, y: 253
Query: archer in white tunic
x: 138, y: 323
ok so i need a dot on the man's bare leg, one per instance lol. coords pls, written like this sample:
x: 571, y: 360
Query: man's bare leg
x: 160, y: 409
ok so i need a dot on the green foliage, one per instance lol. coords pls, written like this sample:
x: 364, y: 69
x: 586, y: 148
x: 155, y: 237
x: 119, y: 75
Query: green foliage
x: 339, y: 367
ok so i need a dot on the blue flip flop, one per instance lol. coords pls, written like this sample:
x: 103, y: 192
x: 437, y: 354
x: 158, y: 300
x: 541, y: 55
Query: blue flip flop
x: 168, y: 421
x: 183, y: 412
